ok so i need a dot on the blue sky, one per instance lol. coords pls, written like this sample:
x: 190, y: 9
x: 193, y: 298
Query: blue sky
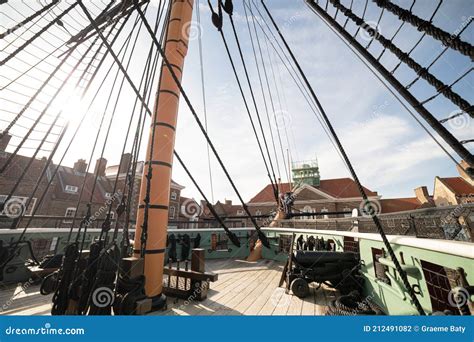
x: 389, y: 150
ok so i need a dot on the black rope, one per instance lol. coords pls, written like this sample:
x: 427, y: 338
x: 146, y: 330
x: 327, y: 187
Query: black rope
x: 367, y: 203
x: 410, y: 62
x: 146, y: 78
x: 36, y: 35
x: 147, y: 91
x: 49, y: 161
x: 451, y: 117
x: 358, y: 51
x: 261, y: 235
x: 28, y: 104
x: 422, y: 25
x: 228, y: 8
x: 275, y: 83
x: 28, y: 19
x: 435, y: 60
x: 47, y: 133
x: 218, y: 25
x: 293, y: 74
x: 421, y: 38
x: 231, y: 235
x: 396, y: 32
x: 263, y: 91
x: 107, y: 222
x: 204, y: 104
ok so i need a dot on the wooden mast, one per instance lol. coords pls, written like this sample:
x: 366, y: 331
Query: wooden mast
x: 163, y: 127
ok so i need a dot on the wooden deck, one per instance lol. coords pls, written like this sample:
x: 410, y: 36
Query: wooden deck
x: 243, y: 288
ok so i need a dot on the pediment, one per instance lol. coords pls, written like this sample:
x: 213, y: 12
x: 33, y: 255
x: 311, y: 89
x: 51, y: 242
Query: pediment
x: 309, y: 193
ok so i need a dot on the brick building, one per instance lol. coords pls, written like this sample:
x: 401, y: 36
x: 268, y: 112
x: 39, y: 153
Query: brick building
x: 60, y: 202
x: 313, y: 194
x: 446, y: 191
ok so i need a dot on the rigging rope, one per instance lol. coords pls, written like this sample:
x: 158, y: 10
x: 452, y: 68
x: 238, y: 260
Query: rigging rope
x: 261, y: 235
x: 217, y: 20
x: 372, y: 212
x: 228, y: 8
x: 203, y: 90
x: 263, y: 93
x: 293, y: 74
x: 393, y: 92
x: 28, y: 19
x: 231, y: 235
x: 53, y: 174
x: 36, y: 35
x: 426, y: 26
x: 410, y: 62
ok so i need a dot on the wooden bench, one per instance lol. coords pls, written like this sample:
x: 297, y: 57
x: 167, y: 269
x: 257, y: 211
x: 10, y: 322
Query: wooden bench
x: 187, y: 284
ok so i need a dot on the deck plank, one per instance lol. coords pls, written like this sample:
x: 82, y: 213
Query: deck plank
x: 243, y: 288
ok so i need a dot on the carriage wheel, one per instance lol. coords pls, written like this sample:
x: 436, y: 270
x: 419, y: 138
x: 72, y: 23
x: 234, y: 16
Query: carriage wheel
x: 300, y: 288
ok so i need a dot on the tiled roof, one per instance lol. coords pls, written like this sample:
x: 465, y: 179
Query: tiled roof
x: 392, y: 205
x: 338, y: 188
x: 67, y: 176
x: 458, y: 185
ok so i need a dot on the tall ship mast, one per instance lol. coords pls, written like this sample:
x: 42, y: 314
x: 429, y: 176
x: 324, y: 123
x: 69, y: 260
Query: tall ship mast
x: 105, y: 79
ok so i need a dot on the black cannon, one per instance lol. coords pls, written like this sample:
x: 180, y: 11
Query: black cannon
x: 339, y: 270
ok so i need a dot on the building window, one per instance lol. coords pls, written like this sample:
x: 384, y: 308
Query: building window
x: 172, y: 212
x: 308, y: 209
x: 70, y: 212
x: 240, y: 212
x: 325, y: 210
x: 348, y: 212
x: 258, y: 213
x: 71, y: 188
x: 174, y: 196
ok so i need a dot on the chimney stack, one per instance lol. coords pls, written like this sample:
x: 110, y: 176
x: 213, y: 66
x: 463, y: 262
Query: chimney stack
x: 422, y: 195
x: 465, y: 175
x: 100, y: 166
x: 125, y: 163
x: 228, y: 202
x: 80, y: 166
x: 4, y: 141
